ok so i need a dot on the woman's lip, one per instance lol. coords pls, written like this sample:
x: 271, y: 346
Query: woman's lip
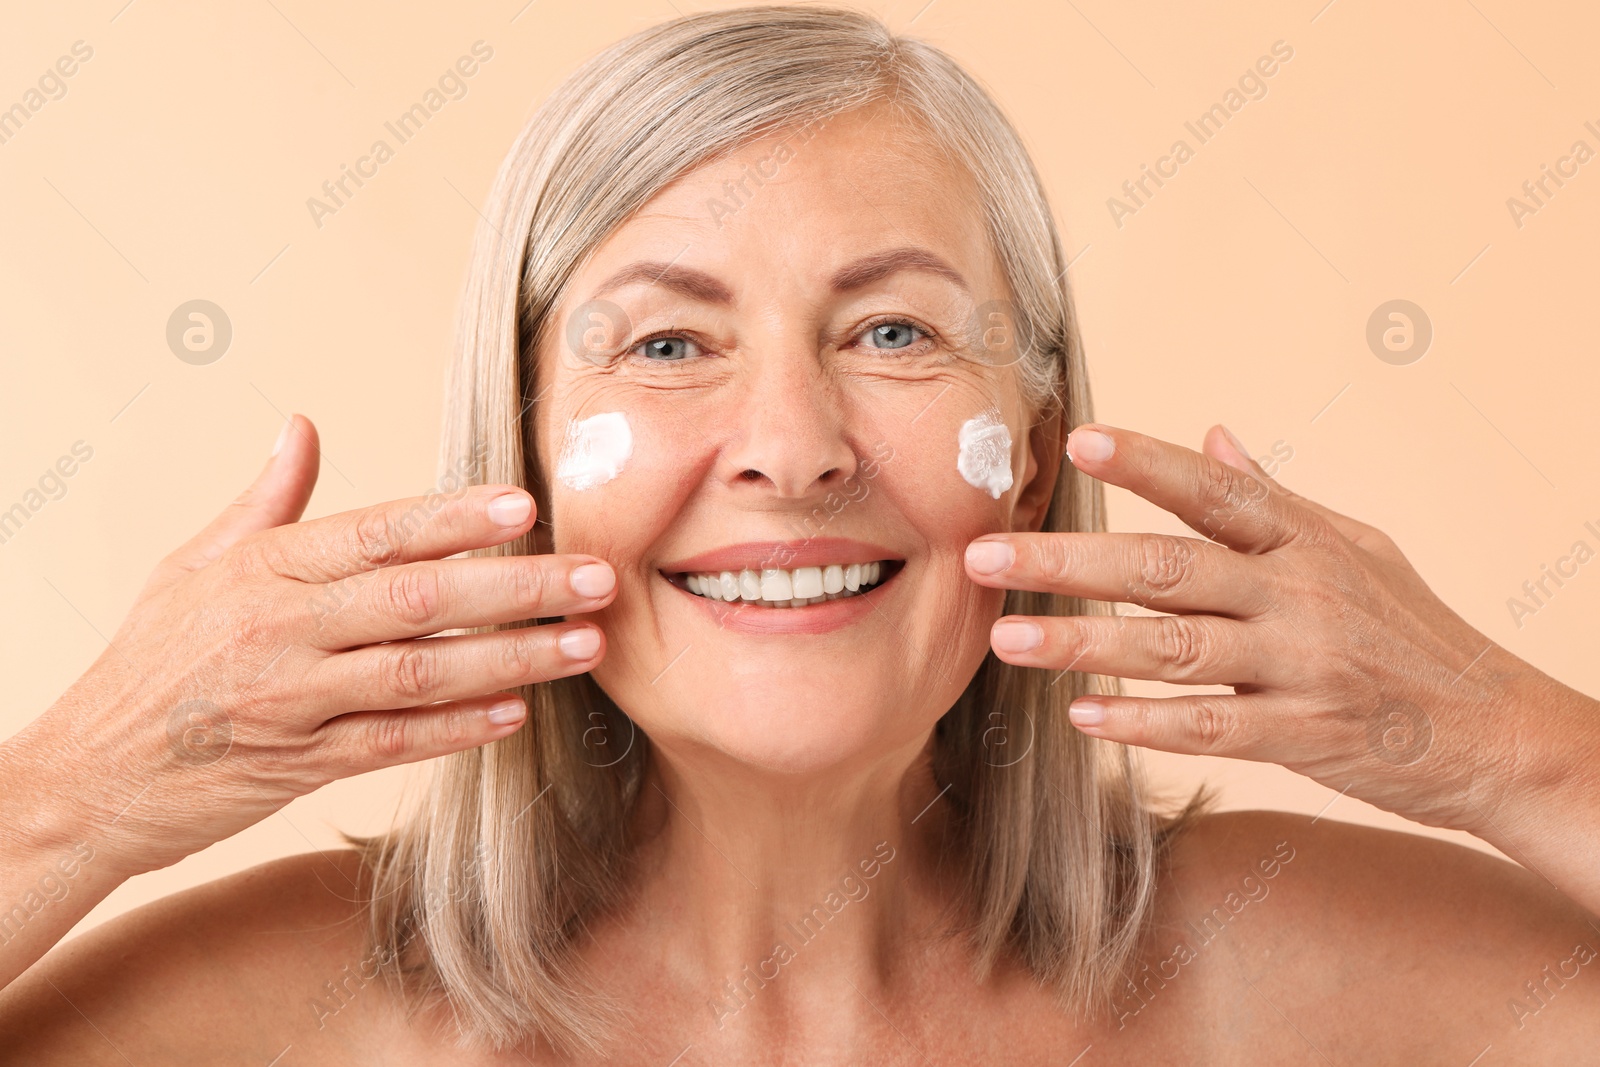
x: 743, y: 616
x: 786, y: 555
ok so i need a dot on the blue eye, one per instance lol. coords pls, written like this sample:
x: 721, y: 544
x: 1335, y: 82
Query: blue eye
x: 665, y: 349
x: 893, y: 334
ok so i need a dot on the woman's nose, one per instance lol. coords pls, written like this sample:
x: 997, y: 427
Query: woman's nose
x: 790, y: 434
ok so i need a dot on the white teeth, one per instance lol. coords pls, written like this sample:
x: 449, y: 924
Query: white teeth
x: 776, y: 584
x: 807, y: 582
x: 832, y: 578
x: 775, y: 587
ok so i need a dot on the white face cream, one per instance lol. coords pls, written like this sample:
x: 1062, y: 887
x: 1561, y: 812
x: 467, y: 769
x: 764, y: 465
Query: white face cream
x: 594, y: 450
x: 984, y: 458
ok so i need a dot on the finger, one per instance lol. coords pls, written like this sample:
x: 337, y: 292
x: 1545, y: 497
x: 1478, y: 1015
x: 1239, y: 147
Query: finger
x: 1221, y: 443
x: 279, y: 495
x: 370, y: 740
x: 416, y: 599
x: 1158, y: 571
x: 1233, y: 507
x: 404, y: 674
x: 1200, y: 724
x: 398, y: 531
x: 1183, y: 649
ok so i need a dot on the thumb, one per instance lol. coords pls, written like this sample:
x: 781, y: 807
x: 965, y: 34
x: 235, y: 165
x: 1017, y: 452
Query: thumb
x: 279, y: 495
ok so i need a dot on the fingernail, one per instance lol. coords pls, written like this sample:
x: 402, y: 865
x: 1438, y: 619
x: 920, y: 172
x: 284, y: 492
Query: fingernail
x: 1087, y: 712
x: 506, y: 711
x: 594, y: 579
x: 580, y: 644
x: 1091, y: 445
x: 1016, y: 636
x: 283, y: 435
x: 990, y: 557
x: 510, y: 509
x: 1236, y: 443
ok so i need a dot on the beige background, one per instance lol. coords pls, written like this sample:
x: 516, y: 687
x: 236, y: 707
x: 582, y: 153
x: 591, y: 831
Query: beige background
x: 1378, y: 166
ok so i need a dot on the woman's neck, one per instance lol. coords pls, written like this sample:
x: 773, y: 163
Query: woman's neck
x: 769, y: 890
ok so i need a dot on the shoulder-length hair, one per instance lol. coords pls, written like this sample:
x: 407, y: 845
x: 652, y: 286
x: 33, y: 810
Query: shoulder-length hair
x: 1060, y: 846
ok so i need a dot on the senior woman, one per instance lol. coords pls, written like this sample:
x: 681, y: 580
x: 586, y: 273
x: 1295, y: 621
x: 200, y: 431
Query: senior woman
x: 745, y: 625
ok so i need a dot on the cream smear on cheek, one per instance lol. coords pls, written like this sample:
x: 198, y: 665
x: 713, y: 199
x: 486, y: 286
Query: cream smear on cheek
x: 984, y: 455
x: 594, y: 450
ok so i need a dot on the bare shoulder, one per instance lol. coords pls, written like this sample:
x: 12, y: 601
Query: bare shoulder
x: 229, y: 971
x: 1322, y: 937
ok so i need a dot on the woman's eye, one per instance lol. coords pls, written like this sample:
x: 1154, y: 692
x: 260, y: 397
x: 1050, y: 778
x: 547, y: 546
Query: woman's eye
x: 665, y: 349
x: 892, y: 334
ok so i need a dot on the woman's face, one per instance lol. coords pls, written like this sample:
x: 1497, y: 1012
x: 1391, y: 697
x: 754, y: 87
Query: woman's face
x: 768, y: 370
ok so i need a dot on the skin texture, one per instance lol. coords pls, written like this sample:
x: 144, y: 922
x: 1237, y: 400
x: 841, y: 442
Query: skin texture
x: 780, y: 762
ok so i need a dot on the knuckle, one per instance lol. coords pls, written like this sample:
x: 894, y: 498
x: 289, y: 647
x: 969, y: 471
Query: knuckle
x: 412, y: 669
x: 391, y: 736
x: 1182, y: 644
x: 1210, y: 725
x: 373, y: 538
x: 1165, y: 563
x: 529, y: 583
x: 414, y: 596
x: 517, y: 658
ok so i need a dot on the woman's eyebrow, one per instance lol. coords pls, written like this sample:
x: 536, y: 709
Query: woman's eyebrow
x: 698, y: 285
x: 882, y: 264
x: 695, y: 284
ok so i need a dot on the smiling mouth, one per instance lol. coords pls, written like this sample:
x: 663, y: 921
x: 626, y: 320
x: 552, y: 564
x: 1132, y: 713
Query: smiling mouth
x: 795, y: 587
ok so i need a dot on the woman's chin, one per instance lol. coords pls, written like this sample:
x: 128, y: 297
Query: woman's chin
x: 788, y: 736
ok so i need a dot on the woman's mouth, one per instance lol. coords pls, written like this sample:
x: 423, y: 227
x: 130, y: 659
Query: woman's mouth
x: 793, y: 587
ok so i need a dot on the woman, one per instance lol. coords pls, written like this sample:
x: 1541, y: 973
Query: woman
x: 769, y: 593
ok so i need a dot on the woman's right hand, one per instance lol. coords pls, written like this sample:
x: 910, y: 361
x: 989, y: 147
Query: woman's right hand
x: 268, y: 657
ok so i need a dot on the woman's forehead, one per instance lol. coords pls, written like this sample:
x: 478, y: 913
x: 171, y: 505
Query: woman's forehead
x: 813, y: 199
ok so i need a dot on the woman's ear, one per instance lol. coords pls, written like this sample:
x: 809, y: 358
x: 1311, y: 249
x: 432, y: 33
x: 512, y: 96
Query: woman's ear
x: 1047, y: 443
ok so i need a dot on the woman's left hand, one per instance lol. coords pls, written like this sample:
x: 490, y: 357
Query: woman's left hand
x: 1344, y: 664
